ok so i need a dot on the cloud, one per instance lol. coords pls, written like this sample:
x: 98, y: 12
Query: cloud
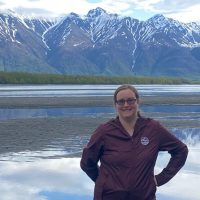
x: 183, y: 10
x: 35, y: 180
x: 175, y: 5
x: 186, y: 180
x: 34, y: 12
x: 27, y: 180
x: 191, y: 14
x: 2, y: 3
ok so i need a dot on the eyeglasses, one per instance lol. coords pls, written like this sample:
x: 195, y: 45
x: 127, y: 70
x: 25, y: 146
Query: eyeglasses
x: 130, y: 101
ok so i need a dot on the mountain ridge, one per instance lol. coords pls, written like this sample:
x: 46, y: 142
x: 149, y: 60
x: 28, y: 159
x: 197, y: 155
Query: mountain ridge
x: 100, y: 43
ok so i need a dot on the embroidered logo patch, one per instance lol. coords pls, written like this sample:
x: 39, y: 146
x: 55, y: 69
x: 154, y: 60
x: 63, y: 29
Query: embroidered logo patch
x: 144, y: 140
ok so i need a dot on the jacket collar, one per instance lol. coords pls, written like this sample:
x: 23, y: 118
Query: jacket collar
x: 140, y: 124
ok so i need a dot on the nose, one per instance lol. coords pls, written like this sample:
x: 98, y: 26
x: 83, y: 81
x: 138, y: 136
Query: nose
x: 126, y: 103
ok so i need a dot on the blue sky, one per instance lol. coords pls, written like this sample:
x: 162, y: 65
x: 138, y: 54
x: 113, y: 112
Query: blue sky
x: 182, y: 10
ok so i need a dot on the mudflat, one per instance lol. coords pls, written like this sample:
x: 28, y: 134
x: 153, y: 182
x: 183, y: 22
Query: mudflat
x: 34, y: 134
x: 14, y: 102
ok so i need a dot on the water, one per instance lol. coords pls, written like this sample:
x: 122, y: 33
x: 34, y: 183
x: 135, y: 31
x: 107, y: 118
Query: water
x: 20, y: 113
x: 49, y: 171
x: 57, y: 179
x: 91, y: 90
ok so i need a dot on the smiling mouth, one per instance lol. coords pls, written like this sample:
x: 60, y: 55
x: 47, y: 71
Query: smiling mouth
x: 127, y: 110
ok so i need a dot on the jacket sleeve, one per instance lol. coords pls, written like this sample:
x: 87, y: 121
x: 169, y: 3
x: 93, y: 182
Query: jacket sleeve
x: 91, y: 155
x: 178, y: 151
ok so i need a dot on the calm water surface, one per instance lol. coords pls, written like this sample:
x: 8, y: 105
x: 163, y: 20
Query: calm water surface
x: 51, y: 174
x: 20, y: 113
x: 92, y: 90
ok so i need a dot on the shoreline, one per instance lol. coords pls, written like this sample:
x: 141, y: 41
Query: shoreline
x: 31, y: 102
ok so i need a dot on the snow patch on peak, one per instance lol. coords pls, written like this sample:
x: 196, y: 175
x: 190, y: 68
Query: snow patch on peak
x: 158, y: 17
x: 9, y: 12
x: 158, y: 21
x: 96, y: 12
x: 73, y: 15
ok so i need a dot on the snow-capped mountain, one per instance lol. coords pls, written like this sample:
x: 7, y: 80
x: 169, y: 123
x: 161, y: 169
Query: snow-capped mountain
x: 100, y: 44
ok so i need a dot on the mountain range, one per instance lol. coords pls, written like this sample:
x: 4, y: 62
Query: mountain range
x: 100, y: 43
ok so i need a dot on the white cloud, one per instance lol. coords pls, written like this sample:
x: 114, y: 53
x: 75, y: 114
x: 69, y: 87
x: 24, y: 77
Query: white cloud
x: 191, y: 14
x: 186, y: 180
x: 28, y: 180
x: 182, y: 10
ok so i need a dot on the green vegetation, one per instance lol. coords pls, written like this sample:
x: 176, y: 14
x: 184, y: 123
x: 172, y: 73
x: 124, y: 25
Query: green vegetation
x: 28, y: 78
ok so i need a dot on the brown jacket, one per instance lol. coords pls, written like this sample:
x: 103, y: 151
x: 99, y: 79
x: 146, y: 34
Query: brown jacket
x: 127, y: 163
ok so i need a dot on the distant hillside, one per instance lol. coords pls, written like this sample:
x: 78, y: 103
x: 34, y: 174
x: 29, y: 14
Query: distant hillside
x: 27, y: 78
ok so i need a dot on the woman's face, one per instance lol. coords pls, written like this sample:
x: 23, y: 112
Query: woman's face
x: 126, y: 104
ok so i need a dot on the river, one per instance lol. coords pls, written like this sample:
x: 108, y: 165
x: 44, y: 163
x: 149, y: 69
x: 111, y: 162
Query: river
x: 50, y: 170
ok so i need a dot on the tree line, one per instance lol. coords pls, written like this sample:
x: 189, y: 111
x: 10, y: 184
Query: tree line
x: 32, y: 78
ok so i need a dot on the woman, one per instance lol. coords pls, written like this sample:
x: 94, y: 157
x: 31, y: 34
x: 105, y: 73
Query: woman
x: 127, y: 148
